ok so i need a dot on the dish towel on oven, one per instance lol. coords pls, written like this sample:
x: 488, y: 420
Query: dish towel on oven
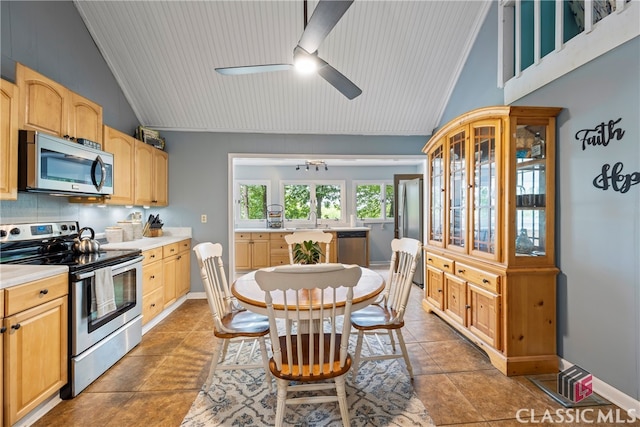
x: 104, y: 292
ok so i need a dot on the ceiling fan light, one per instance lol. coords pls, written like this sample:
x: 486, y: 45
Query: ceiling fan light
x: 306, y: 64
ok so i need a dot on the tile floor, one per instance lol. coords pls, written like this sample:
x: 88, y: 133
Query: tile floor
x: 156, y: 383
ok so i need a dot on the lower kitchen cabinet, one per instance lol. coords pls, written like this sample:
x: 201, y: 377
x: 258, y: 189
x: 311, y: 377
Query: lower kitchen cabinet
x: 252, y: 251
x: 35, y: 344
x: 176, y: 260
x: 152, y: 284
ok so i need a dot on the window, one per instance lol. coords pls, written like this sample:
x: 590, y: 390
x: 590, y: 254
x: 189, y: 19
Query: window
x: 251, y: 201
x: 541, y: 40
x: 324, y: 198
x: 374, y: 200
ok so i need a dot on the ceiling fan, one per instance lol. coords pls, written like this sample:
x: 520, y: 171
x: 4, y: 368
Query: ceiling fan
x: 305, y: 55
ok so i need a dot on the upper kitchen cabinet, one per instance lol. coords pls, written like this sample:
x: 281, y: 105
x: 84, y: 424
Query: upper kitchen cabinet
x: 122, y: 146
x: 490, y: 233
x: 8, y: 140
x: 48, y: 106
x: 151, y: 175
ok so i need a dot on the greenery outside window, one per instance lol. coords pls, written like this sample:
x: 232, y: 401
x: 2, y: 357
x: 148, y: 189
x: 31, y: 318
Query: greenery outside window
x: 374, y: 200
x: 325, y: 198
x: 252, y: 198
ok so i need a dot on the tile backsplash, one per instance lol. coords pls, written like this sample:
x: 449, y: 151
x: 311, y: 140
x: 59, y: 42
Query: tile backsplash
x: 32, y: 207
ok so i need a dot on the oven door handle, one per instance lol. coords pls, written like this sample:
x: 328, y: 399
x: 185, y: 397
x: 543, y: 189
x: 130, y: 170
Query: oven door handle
x: 119, y: 269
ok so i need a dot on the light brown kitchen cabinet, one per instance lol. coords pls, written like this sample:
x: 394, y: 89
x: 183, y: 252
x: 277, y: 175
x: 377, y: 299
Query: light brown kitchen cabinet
x: 183, y: 282
x: 252, y: 251
x: 151, y: 175
x: 8, y: 140
x: 48, y: 106
x: 122, y: 146
x: 35, y: 344
x: 490, y: 232
x: 278, y: 249
x: 152, y: 284
x: 177, y: 276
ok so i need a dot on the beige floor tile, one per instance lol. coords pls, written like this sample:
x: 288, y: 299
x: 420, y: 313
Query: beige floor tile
x: 157, y: 409
x: 457, y: 355
x: 86, y: 409
x: 444, y: 403
x: 126, y: 375
x: 155, y: 343
x: 182, y: 372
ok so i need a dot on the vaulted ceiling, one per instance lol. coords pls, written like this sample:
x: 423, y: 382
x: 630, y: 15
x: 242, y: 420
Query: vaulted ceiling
x: 404, y: 55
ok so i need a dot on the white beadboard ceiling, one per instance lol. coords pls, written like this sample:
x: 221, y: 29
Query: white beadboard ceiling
x: 404, y: 55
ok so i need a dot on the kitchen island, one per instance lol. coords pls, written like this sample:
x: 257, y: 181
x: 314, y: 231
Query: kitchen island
x: 266, y: 247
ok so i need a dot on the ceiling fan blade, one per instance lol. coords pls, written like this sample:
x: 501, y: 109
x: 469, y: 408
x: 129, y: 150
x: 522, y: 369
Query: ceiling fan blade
x: 338, y: 80
x: 253, y: 69
x: 325, y: 16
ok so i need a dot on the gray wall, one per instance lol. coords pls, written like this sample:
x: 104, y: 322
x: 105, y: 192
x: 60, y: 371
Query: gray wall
x: 598, y: 232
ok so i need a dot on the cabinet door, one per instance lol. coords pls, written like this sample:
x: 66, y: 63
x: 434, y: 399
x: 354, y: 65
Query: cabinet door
x: 85, y: 118
x: 243, y: 254
x: 122, y: 147
x: 484, y: 315
x: 183, y: 280
x: 143, y: 173
x: 485, y: 191
x: 43, y: 103
x: 160, y: 178
x: 434, y: 290
x: 260, y: 254
x: 35, y: 361
x: 457, y: 185
x: 455, y: 298
x: 8, y: 140
x: 436, y: 218
x: 170, y: 268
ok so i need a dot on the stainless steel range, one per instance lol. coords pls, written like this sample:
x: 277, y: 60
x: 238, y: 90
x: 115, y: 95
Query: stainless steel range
x: 98, y: 338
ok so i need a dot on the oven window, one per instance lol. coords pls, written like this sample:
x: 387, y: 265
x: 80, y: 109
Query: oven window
x: 62, y: 167
x: 124, y: 290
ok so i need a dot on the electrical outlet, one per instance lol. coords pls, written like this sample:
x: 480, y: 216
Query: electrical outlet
x: 203, y: 218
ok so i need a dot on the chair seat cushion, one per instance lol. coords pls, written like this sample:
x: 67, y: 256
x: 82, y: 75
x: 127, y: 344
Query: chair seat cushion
x: 316, y: 372
x: 374, y: 316
x: 243, y: 323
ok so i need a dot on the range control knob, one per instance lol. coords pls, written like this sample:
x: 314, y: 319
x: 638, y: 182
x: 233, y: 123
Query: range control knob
x: 3, y: 233
x: 15, y: 231
x: 63, y: 227
x: 72, y: 227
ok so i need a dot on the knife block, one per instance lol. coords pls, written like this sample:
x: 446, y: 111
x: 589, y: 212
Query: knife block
x: 154, y: 232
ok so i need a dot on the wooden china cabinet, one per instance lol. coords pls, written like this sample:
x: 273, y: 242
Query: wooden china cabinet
x: 489, y: 253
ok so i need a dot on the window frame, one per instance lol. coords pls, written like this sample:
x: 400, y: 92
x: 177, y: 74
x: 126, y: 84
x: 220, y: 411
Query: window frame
x: 248, y: 223
x: 383, y: 208
x: 313, y: 183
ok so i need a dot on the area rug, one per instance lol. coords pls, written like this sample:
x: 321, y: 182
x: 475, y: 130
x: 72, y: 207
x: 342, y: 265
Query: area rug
x: 382, y: 395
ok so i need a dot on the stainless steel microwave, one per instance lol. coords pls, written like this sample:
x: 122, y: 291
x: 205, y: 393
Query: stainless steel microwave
x: 48, y: 164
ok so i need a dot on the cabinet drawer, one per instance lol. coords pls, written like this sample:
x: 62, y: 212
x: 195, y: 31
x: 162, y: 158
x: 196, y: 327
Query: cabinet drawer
x: 243, y: 236
x: 279, y: 247
x: 260, y: 236
x: 151, y: 255
x: 152, y: 305
x: 481, y: 278
x: 169, y: 250
x: 22, y: 297
x: 151, y: 277
x: 185, y: 245
x: 279, y: 236
x: 279, y: 260
x: 439, y: 262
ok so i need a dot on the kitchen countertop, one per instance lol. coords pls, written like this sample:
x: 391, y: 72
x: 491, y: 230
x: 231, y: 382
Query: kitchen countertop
x: 172, y: 235
x: 292, y: 229
x: 12, y: 274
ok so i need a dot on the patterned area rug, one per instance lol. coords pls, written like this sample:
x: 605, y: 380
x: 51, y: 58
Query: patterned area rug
x: 381, y: 396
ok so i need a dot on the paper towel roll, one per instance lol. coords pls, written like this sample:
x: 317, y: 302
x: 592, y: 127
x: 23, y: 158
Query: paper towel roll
x: 352, y: 221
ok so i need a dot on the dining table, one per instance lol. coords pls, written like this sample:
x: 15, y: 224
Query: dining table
x: 250, y: 296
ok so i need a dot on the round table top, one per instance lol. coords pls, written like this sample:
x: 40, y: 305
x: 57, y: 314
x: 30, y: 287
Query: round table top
x: 250, y: 296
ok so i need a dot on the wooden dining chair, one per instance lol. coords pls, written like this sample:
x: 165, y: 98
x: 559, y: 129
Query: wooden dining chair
x: 231, y: 323
x: 299, y: 237
x: 387, y: 315
x: 314, y: 357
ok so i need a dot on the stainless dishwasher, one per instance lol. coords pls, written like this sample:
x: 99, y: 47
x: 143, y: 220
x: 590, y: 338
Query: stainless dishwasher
x: 352, y: 247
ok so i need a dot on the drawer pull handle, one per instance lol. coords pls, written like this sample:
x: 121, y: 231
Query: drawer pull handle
x: 16, y: 326
x: 446, y: 266
x: 485, y: 281
x: 44, y: 291
x: 467, y: 307
x: 152, y: 256
x: 439, y: 290
x: 152, y: 277
x: 153, y: 305
x: 3, y: 330
x: 430, y: 259
x: 460, y: 271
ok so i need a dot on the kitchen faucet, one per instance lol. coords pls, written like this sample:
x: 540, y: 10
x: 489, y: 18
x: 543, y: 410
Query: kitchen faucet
x: 315, y: 217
